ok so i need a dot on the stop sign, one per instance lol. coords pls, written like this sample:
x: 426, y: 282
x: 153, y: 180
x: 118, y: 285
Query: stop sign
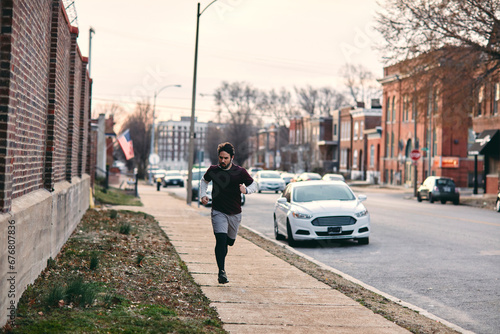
x: 415, y: 155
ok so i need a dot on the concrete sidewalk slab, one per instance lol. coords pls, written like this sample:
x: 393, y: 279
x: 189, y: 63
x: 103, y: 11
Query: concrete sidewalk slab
x: 265, y: 294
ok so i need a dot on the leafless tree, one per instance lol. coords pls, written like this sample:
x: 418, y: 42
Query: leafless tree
x: 449, y: 48
x: 319, y: 102
x: 360, y: 82
x: 215, y: 136
x: 139, y: 124
x: 240, y: 104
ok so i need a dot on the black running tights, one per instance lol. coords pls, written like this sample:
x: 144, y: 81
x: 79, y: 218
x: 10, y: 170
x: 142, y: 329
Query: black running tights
x: 221, y: 243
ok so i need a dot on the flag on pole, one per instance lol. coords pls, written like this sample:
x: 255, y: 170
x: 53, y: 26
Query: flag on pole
x: 126, y: 144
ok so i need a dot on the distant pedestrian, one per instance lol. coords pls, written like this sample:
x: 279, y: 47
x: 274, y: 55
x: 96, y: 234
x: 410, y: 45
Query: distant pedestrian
x: 229, y: 182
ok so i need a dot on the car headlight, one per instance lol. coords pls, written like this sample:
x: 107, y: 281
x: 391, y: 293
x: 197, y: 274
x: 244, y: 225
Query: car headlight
x: 361, y: 213
x: 301, y: 215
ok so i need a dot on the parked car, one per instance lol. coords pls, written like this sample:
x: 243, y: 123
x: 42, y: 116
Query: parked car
x: 287, y: 177
x: 253, y: 170
x: 173, y: 178
x: 308, y: 177
x: 269, y: 181
x: 319, y: 210
x: 333, y: 177
x: 195, y: 182
x: 497, y: 203
x: 438, y: 188
x: 209, y: 195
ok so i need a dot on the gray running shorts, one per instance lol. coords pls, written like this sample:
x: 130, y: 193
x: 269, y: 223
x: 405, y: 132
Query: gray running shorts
x: 223, y: 223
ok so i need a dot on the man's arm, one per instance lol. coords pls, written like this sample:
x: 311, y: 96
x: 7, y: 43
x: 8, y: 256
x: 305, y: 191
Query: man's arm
x: 203, y: 187
x: 250, y: 189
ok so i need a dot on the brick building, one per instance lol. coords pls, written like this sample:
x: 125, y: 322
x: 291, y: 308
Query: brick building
x: 421, y: 121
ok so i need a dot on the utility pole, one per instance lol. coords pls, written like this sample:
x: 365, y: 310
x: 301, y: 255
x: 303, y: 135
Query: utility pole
x: 91, y: 31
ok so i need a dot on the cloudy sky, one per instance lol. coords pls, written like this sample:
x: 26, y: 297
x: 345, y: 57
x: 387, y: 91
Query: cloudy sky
x: 140, y: 47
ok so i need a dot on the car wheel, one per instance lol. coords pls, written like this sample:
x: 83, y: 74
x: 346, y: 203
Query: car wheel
x: 443, y: 201
x: 456, y: 202
x: 291, y: 240
x: 419, y: 198
x: 277, y: 191
x: 363, y: 241
x: 431, y: 199
x: 181, y: 185
x: 243, y: 200
x: 277, y: 234
x: 497, y: 206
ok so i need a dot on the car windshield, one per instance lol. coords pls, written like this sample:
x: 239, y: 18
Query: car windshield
x: 270, y: 175
x: 445, y: 182
x: 327, y: 192
x: 173, y: 174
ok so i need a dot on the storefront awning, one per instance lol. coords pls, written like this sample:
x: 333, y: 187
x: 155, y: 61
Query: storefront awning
x: 482, y: 141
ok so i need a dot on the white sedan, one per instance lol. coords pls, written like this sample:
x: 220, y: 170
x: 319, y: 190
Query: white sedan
x: 319, y: 210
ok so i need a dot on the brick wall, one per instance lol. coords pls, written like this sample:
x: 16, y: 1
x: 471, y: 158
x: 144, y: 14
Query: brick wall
x: 45, y: 93
x: 44, y: 99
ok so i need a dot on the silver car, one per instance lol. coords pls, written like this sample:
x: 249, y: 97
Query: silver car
x: 269, y: 181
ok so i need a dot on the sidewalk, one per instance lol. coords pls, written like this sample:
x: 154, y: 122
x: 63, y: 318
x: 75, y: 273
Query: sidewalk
x: 265, y: 294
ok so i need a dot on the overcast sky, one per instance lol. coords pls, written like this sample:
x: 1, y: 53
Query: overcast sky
x: 141, y: 46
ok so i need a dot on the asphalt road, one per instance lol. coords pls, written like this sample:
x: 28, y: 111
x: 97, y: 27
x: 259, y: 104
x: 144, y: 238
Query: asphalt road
x: 442, y: 258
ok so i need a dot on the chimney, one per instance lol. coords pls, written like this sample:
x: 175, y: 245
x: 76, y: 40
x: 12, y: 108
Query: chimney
x: 376, y: 104
x: 360, y: 104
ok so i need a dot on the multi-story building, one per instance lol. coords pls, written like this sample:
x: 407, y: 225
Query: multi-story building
x: 486, y: 129
x: 426, y: 121
x: 354, y: 122
x: 172, y: 143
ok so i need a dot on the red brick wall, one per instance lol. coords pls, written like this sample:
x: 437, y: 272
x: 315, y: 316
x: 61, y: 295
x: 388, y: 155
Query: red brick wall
x: 24, y: 63
x: 74, y: 107
x: 36, y: 52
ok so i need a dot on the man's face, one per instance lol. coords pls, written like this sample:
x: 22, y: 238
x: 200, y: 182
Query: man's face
x: 224, y: 159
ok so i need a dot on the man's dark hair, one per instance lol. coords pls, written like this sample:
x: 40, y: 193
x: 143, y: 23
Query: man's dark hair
x: 226, y: 147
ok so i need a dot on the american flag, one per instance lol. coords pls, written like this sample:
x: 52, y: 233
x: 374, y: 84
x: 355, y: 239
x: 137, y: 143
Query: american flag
x: 126, y: 144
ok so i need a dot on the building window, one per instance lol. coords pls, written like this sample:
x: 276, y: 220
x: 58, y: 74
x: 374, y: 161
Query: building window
x: 480, y: 99
x: 372, y: 156
x: 394, y: 109
x: 356, y: 129
x: 335, y: 129
x: 387, y: 145
x: 387, y: 110
x: 355, y: 159
x: 496, y: 97
x: 361, y: 126
x: 392, y: 144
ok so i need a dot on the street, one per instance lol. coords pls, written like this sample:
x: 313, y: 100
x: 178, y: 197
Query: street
x: 442, y: 258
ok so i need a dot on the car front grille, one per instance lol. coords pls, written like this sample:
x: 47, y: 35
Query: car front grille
x: 326, y: 234
x: 334, y: 221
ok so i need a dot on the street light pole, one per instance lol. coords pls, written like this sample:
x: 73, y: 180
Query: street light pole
x: 189, y: 187
x: 152, y: 147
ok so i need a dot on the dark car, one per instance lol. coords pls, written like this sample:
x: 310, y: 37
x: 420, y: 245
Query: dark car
x: 195, y: 183
x: 497, y: 203
x: 438, y: 188
x: 173, y: 178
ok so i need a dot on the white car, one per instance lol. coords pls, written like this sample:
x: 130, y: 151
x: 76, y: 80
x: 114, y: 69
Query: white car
x: 333, y: 177
x: 269, y: 181
x: 319, y: 210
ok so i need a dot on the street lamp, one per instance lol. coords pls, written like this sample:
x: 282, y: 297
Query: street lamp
x: 191, y: 127
x: 152, y: 149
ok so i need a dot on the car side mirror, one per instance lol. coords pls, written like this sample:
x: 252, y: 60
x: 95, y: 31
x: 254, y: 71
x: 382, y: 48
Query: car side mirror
x: 282, y: 200
x: 362, y: 198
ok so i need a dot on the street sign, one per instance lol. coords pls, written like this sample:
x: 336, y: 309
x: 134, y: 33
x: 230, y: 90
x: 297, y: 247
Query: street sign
x: 415, y: 155
x: 154, y: 159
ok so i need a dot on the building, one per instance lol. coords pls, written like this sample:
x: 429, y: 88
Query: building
x: 419, y: 113
x: 354, y: 124
x: 172, y: 143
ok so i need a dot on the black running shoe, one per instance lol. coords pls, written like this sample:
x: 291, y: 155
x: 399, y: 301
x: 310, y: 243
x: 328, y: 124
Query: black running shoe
x: 222, y: 277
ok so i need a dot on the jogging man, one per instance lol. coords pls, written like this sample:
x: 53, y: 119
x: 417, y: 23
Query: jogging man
x: 229, y: 182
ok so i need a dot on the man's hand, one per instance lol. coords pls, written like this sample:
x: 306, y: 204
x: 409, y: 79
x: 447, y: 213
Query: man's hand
x: 243, y: 189
x: 204, y: 200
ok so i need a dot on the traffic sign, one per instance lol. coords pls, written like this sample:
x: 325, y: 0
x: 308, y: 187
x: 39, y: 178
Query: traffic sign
x: 415, y: 155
